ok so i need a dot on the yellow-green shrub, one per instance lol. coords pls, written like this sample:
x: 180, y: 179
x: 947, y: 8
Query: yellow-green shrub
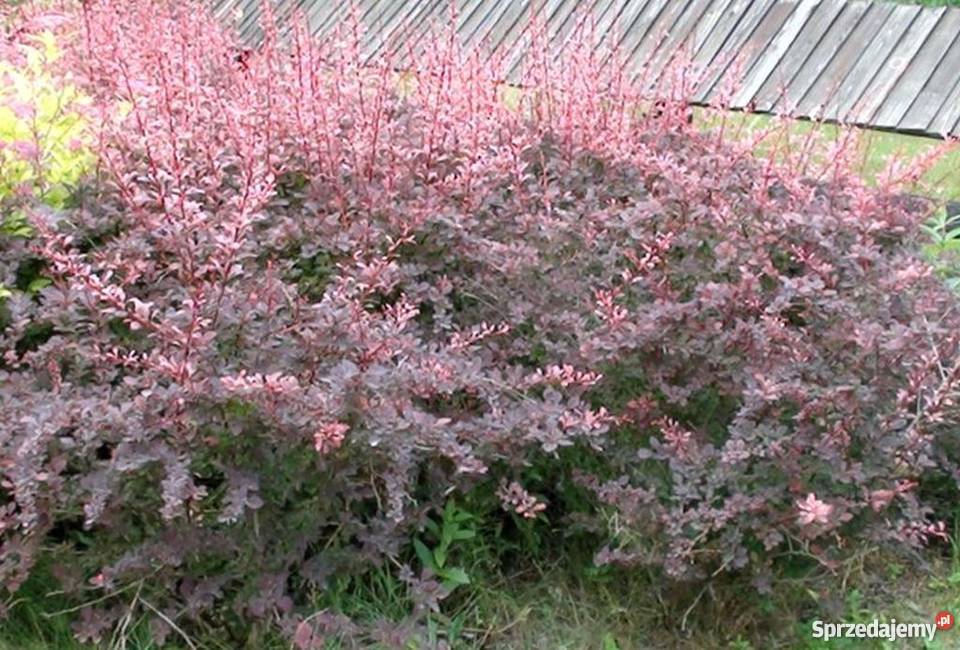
x: 43, y: 137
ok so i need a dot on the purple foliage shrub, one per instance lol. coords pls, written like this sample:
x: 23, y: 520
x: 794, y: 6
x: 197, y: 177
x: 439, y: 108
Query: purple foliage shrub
x: 303, y: 302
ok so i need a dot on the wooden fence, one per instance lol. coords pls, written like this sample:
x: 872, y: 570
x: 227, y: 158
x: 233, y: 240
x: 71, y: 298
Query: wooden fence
x: 870, y: 63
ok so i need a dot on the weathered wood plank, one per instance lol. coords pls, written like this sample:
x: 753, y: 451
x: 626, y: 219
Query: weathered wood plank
x: 822, y: 58
x: 623, y: 21
x: 681, y: 34
x: 949, y: 114
x: 892, y: 71
x: 715, y: 13
x: 603, y: 13
x: 234, y: 13
x: 327, y: 16
x: 249, y: 26
x: 411, y: 42
x: 560, y: 19
x: 678, y: 43
x: 642, y: 31
x: 400, y: 26
x: 466, y: 11
x: 807, y: 45
x: 288, y: 16
x: 515, y: 23
x: 725, y: 46
x: 751, y: 50
x: 398, y: 29
x: 392, y: 32
x: 224, y: 10
x: 510, y: 37
x: 824, y: 92
x: 285, y: 15
x: 771, y: 43
x: 279, y: 14
x: 491, y: 31
x: 607, y: 22
x: 370, y: 10
x: 844, y: 104
x: 373, y: 16
x: 621, y: 25
x: 932, y: 100
x: 920, y: 70
x: 520, y: 34
x: 574, y: 25
x: 470, y: 28
x: 564, y: 22
x: 657, y: 32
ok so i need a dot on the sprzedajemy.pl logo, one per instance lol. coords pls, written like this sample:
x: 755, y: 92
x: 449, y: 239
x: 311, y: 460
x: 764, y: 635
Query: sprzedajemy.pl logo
x: 877, y: 629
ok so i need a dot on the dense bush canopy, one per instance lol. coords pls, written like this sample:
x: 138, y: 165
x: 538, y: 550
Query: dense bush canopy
x: 299, y: 303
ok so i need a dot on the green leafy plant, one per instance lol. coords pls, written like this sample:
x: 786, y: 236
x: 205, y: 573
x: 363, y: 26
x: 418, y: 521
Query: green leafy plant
x: 456, y: 525
x: 943, y: 251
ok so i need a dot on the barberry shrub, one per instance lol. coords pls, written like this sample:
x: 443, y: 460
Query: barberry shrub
x: 304, y: 303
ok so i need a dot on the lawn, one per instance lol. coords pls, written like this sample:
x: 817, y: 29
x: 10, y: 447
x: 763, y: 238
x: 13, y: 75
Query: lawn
x: 877, y: 148
x: 565, y: 608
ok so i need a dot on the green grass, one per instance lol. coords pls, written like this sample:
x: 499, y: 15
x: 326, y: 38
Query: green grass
x: 565, y: 604
x: 875, y: 148
x: 559, y: 610
x: 30, y: 625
